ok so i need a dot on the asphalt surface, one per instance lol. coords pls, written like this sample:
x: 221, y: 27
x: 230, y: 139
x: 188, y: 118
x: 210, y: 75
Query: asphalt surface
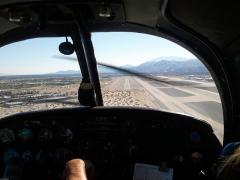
x: 195, y: 98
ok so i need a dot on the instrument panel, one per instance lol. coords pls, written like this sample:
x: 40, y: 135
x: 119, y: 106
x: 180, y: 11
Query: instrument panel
x: 112, y: 139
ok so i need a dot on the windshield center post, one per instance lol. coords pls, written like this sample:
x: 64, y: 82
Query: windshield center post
x: 86, y: 42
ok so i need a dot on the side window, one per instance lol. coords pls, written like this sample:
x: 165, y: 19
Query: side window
x: 177, y: 81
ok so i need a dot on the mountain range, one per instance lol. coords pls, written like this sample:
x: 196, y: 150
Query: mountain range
x: 171, y: 67
x: 162, y: 65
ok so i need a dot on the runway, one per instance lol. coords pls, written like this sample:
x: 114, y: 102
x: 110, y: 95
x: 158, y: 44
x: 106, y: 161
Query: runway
x: 196, y: 98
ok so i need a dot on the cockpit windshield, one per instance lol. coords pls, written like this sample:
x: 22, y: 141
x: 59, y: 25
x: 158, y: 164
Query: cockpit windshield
x: 172, y: 79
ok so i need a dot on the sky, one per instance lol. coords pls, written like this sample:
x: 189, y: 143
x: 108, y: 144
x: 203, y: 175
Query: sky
x: 35, y: 56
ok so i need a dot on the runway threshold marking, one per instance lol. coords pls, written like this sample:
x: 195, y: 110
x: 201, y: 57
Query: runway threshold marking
x: 126, y: 84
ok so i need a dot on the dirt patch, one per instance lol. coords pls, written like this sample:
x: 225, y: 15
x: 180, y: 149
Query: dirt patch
x: 126, y: 98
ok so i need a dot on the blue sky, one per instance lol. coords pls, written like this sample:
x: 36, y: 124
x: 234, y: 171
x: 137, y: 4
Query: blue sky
x: 35, y: 56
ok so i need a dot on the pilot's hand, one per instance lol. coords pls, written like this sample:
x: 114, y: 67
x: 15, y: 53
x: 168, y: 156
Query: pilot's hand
x: 78, y: 169
x: 75, y: 170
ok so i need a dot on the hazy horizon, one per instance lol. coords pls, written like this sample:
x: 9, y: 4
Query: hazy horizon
x: 125, y: 65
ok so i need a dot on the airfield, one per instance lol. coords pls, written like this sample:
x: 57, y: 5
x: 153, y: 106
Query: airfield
x: 192, y: 95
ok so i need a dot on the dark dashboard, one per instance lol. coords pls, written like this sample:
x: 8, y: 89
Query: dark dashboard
x: 36, y: 145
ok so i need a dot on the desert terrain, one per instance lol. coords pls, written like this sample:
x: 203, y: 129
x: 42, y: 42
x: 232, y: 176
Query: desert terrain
x: 192, y: 95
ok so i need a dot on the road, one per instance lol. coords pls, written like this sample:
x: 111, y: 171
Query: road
x: 192, y: 97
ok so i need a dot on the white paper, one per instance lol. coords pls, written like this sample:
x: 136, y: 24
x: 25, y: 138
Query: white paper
x: 151, y: 172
